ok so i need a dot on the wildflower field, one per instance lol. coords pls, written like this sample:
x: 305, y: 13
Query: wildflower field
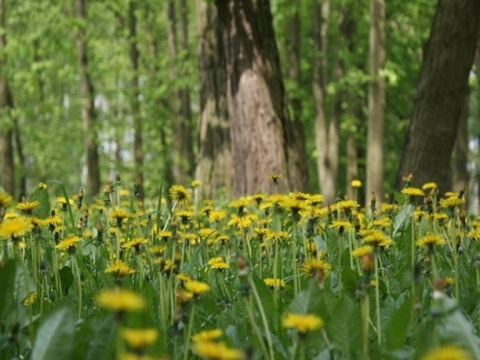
x: 268, y: 276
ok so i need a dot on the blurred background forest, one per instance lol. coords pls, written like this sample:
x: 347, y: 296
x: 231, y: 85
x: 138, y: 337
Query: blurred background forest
x: 91, y: 89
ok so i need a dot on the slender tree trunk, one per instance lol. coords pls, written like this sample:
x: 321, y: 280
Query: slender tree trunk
x: 88, y: 108
x: 214, y: 164
x: 182, y: 145
x: 460, y: 172
x: 160, y: 102
x: 477, y: 69
x: 261, y: 130
x: 135, y: 95
x: 376, y: 102
x: 441, y: 92
x: 326, y: 132
x: 293, y: 41
x: 7, y: 173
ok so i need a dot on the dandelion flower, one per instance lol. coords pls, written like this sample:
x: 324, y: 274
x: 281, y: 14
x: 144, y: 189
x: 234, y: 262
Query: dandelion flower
x: 275, y: 178
x: 179, y: 194
x: 120, y: 300
x: 217, y: 263
x: 342, y: 225
x: 68, y: 243
x: 135, y: 243
x: 411, y: 192
x: 195, y: 183
x: 217, y: 215
x: 216, y: 351
x: 274, y: 283
x: 196, y: 287
x: 138, y: 339
x: 302, y: 323
x: 119, y: 215
x: 447, y: 352
x: 119, y: 269
x: 27, y: 207
x: 429, y: 187
x: 356, y: 183
x: 317, y: 268
x: 15, y: 227
x: 451, y: 202
x: 207, y: 336
x: 430, y: 240
x: 5, y: 200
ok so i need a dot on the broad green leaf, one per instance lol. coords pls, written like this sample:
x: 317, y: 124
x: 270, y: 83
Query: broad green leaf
x: 402, y: 218
x: 307, y: 301
x: 55, y: 336
x: 41, y: 211
x: 102, y: 344
x: 397, y: 327
x: 345, y: 326
x: 66, y: 276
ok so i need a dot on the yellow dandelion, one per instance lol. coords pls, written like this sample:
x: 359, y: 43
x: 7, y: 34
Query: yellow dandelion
x: 120, y: 300
x: 302, y: 323
x: 451, y: 202
x: 430, y: 240
x: 68, y: 243
x: 316, y: 267
x: 429, y: 187
x: 217, y: 215
x: 447, y: 352
x: 356, y: 183
x: 179, y: 194
x: 11, y: 228
x: 27, y: 207
x: 119, y: 215
x: 275, y: 178
x: 196, y: 287
x: 119, y: 269
x: 362, y: 251
x: 342, y: 225
x: 274, y: 283
x: 195, y: 183
x: 412, y: 191
x: 216, y: 351
x: 315, y: 199
x: 207, y: 336
x: 135, y: 244
x: 139, y: 339
x: 5, y: 200
x: 276, y: 235
x: 30, y: 299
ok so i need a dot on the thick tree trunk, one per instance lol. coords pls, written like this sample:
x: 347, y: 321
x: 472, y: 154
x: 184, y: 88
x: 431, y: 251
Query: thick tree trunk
x: 260, y: 127
x: 7, y: 175
x: 135, y: 94
x: 214, y: 163
x: 441, y: 92
x: 88, y: 108
x: 376, y: 102
x: 326, y: 132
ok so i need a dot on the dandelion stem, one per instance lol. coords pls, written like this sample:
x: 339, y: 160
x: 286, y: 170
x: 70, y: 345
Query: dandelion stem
x: 189, y: 332
x: 377, y: 302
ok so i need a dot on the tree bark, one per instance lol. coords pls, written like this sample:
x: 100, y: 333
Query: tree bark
x: 376, y: 102
x: 88, y: 108
x: 326, y: 132
x: 260, y: 127
x: 7, y: 173
x: 135, y: 95
x: 183, y: 158
x: 441, y: 92
x: 214, y: 164
x: 460, y: 171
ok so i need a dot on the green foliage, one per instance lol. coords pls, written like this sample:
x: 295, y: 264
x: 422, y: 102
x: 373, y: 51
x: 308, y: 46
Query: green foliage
x: 55, y: 336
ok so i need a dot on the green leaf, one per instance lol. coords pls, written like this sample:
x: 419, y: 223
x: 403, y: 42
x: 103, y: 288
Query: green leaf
x: 66, y: 277
x: 307, y: 301
x: 7, y: 284
x: 102, y: 344
x: 456, y: 327
x: 397, y: 327
x: 402, y: 218
x: 41, y: 211
x: 55, y: 336
x: 345, y: 326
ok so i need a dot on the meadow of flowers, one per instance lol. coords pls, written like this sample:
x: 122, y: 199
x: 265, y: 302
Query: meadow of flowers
x: 268, y: 276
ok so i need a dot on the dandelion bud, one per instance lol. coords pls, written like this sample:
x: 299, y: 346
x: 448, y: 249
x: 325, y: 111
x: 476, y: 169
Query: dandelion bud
x: 367, y: 263
x: 242, y: 265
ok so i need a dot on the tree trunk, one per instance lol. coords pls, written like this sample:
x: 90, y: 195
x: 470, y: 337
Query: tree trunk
x: 376, y: 102
x: 441, y: 92
x: 260, y: 127
x: 214, y: 164
x: 293, y: 40
x: 460, y: 171
x: 7, y: 174
x: 182, y: 145
x: 135, y: 95
x: 326, y: 132
x: 88, y: 108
